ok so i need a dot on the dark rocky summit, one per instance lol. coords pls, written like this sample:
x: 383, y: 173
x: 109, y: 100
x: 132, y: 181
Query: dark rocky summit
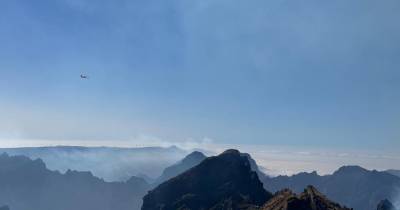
x: 4, y: 208
x: 225, y: 181
x: 309, y: 199
x: 385, y: 205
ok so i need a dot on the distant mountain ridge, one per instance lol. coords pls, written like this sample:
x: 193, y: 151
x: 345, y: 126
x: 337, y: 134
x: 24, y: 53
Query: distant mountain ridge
x: 109, y: 163
x: 28, y: 184
x: 186, y: 163
x: 352, y: 186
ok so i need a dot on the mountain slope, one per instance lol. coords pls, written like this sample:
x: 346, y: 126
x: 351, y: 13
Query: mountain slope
x: 225, y: 181
x: 28, y: 184
x: 191, y: 160
x: 309, y: 199
x: 353, y: 186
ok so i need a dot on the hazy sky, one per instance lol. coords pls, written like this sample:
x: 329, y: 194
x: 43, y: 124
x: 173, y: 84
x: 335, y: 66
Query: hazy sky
x: 320, y: 74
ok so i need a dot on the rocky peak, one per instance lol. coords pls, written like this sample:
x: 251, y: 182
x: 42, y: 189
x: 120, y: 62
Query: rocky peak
x: 225, y: 181
x: 350, y: 170
x: 309, y: 199
x: 194, y: 156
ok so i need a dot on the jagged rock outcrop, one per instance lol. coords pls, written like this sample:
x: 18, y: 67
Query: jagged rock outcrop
x: 310, y: 199
x: 385, y: 205
x: 225, y: 181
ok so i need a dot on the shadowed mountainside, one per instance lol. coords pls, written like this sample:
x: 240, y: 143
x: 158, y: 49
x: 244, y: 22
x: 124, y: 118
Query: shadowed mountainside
x: 28, y: 184
x: 186, y: 163
x: 352, y: 186
x: 225, y: 181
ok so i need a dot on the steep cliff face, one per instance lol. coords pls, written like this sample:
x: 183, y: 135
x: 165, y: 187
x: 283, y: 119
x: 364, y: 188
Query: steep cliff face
x: 225, y: 181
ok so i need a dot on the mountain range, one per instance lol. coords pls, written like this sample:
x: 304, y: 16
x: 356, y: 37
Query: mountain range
x: 227, y: 181
x: 109, y: 163
x: 28, y: 184
x: 352, y: 186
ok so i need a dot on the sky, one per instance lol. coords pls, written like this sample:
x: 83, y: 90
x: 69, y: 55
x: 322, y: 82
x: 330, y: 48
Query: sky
x: 295, y: 74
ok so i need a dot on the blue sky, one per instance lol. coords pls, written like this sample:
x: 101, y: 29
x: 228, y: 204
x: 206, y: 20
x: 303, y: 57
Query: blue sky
x: 320, y: 74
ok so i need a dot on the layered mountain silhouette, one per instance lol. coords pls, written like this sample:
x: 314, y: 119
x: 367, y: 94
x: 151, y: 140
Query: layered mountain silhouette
x: 109, y: 163
x: 385, y: 205
x: 4, y: 208
x: 230, y: 180
x: 352, y: 186
x: 186, y: 163
x: 309, y: 199
x: 28, y: 184
x: 225, y: 181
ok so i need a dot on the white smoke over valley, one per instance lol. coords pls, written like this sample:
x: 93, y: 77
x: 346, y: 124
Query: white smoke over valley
x: 149, y: 155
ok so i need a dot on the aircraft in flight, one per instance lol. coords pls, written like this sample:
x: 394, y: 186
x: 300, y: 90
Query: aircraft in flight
x: 83, y: 76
